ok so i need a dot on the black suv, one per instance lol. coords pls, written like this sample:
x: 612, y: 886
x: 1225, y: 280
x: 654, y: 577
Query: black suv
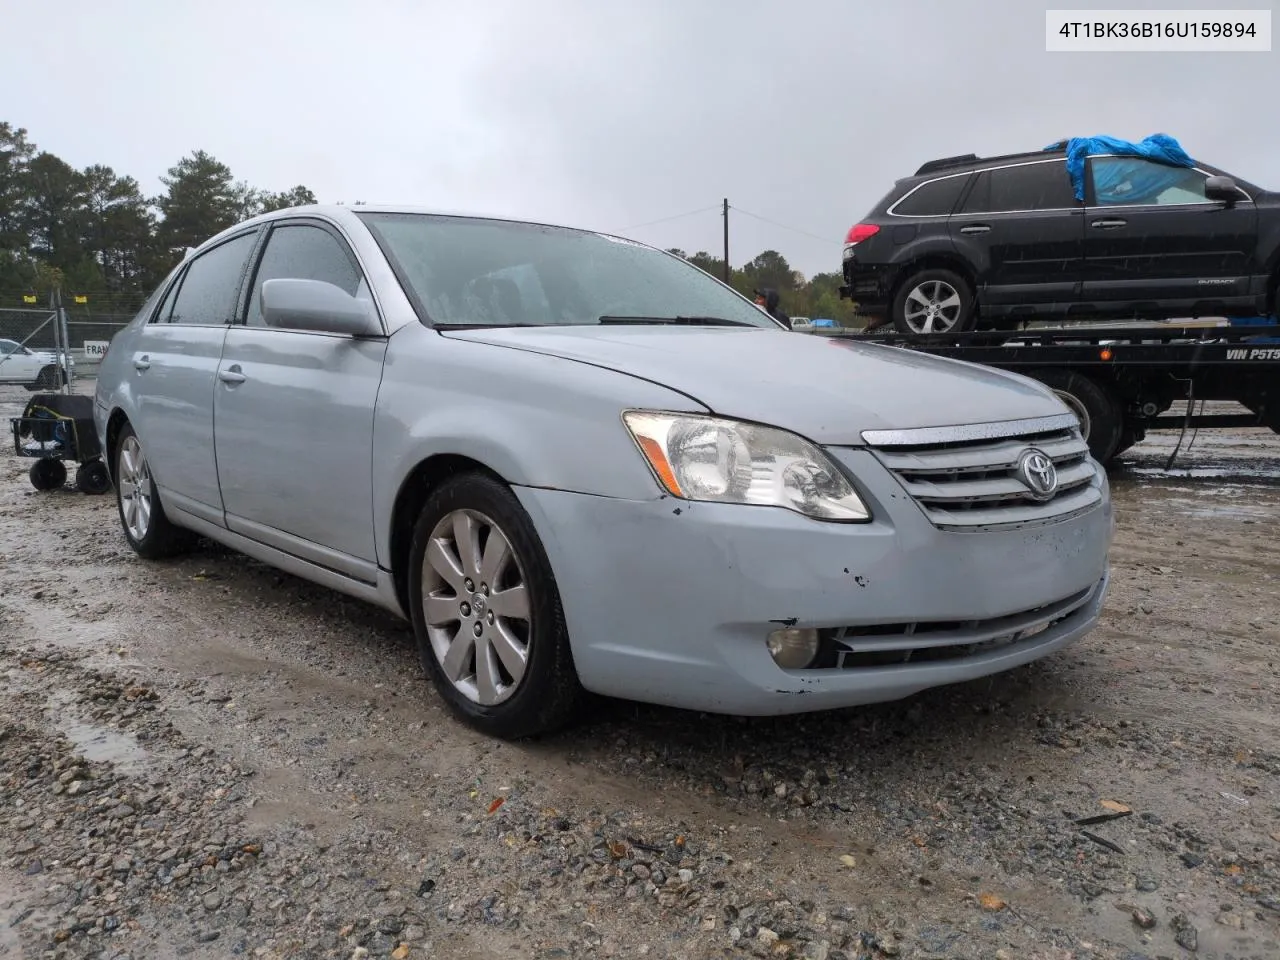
x: 969, y: 243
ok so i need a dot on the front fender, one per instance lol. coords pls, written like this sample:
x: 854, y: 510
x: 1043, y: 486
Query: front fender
x: 535, y: 420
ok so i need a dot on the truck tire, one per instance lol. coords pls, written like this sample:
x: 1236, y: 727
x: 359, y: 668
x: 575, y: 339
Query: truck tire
x: 1101, y: 419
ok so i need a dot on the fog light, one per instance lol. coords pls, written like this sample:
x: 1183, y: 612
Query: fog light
x: 793, y: 649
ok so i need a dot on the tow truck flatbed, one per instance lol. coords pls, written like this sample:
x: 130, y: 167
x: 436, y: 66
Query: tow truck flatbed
x: 1120, y: 379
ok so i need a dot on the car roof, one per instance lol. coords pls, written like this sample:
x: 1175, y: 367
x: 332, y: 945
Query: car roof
x: 971, y: 161
x: 341, y: 212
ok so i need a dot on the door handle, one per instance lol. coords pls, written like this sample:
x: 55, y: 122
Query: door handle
x: 1108, y: 224
x: 976, y: 228
x: 232, y: 374
x: 142, y: 363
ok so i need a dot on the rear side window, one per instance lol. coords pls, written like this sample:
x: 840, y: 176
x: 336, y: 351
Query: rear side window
x: 302, y: 251
x: 1024, y: 188
x: 209, y: 288
x: 937, y: 198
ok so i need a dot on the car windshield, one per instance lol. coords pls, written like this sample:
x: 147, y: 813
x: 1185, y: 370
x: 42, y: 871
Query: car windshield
x: 476, y: 272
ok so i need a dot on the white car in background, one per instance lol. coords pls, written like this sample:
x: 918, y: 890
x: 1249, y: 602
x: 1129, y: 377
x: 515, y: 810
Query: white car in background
x: 801, y: 323
x: 33, y: 369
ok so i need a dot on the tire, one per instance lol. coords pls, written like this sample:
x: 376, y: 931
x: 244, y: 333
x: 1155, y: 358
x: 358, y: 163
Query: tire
x: 1129, y: 437
x: 1101, y: 421
x: 142, y: 518
x: 93, y: 478
x: 47, y: 379
x: 931, y: 291
x: 48, y: 474
x: 547, y: 693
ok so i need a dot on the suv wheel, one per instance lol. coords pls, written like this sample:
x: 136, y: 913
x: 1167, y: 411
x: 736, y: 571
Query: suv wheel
x: 933, y: 301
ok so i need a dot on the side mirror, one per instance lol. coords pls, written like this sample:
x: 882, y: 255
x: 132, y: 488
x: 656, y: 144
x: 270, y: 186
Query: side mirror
x: 1223, y: 189
x: 316, y: 306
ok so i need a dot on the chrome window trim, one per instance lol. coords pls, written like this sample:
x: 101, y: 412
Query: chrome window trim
x: 970, y: 431
x: 919, y: 186
x: 1026, y: 163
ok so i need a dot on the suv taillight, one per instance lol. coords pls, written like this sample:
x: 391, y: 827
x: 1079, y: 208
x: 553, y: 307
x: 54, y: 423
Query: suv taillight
x: 859, y: 232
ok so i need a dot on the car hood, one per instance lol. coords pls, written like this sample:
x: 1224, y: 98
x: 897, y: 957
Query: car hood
x: 826, y: 389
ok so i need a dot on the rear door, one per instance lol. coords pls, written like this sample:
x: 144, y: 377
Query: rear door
x: 174, y: 362
x: 1022, y: 227
x: 294, y: 415
x: 1153, y: 236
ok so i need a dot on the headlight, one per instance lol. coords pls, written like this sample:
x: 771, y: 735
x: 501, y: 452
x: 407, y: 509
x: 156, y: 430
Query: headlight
x: 724, y: 461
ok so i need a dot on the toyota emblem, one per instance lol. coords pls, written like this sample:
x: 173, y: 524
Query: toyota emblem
x: 1038, y: 474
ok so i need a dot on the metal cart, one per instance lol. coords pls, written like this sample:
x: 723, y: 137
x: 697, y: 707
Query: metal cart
x: 55, y: 427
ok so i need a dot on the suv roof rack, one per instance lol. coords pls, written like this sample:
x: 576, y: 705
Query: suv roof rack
x: 945, y: 162
x: 966, y: 159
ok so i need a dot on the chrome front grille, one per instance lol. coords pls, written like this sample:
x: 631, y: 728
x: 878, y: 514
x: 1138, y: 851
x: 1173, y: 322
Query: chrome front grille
x: 969, y: 479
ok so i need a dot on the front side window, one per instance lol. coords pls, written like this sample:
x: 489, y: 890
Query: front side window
x: 1023, y: 188
x: 7, y: 347
x: 303, y: 252
x: 472, y: 272
x: 936, y: 198
x: 209, y: 288
x: 1133, y: 180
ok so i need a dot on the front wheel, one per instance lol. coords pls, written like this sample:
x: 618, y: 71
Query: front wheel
x: 934, y: 301
x: 148, y: 530
x: 486, y: 611
x: 49, y: 379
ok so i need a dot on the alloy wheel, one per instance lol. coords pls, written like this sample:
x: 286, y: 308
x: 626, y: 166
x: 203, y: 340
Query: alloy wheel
x: 135, y: 489
x: 933, y: 306
x: 476, y: 607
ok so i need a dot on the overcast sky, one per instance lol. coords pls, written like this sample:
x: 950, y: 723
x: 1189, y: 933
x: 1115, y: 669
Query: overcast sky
x: 608, y: 114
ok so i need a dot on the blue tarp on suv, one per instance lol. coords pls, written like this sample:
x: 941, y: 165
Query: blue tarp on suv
x: 1159, y: 147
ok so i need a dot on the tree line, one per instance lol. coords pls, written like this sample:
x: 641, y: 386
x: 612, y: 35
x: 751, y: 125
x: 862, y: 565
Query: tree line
x: 96, y: 235
x: 93, y: 232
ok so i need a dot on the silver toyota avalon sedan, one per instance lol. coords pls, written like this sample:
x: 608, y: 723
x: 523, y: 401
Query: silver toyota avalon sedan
x: 574, y: 462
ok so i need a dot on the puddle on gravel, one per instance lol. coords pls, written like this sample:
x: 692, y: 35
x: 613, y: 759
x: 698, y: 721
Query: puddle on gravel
x: 96, y: 743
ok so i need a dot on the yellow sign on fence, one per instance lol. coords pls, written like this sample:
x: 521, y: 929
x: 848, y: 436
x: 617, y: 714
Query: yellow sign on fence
x: 82, y: 299
x: 28, y: 298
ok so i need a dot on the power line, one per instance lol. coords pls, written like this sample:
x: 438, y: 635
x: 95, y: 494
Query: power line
x: 678, y: 216
x: 775, y: 223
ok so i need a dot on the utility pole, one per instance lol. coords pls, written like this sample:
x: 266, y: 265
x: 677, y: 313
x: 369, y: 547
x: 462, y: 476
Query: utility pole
x: 726, y: 239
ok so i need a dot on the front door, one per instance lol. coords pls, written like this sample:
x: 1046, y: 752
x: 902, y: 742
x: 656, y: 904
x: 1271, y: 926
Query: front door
x: 294, y: 416
x: 174, y: 363
x: 1023, y: 228
x: 1153, y: 236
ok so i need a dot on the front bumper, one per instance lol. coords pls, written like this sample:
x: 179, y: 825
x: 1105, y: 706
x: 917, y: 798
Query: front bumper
x: 670, y: 602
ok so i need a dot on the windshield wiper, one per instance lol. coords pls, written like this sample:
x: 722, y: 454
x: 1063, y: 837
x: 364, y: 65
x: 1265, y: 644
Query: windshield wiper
x: 675, y: 321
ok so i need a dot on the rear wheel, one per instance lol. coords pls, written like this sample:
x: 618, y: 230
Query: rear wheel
x: 1101, y: 422
x: 148, y: 530
x: 48, y: 474
x: 934, y: 301
x: 486, y: 611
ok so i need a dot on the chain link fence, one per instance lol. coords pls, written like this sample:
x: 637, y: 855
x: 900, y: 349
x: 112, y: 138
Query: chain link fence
x: 30, y: 340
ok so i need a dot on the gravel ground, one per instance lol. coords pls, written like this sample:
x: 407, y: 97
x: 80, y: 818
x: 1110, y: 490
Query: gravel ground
x: 207, y: 758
